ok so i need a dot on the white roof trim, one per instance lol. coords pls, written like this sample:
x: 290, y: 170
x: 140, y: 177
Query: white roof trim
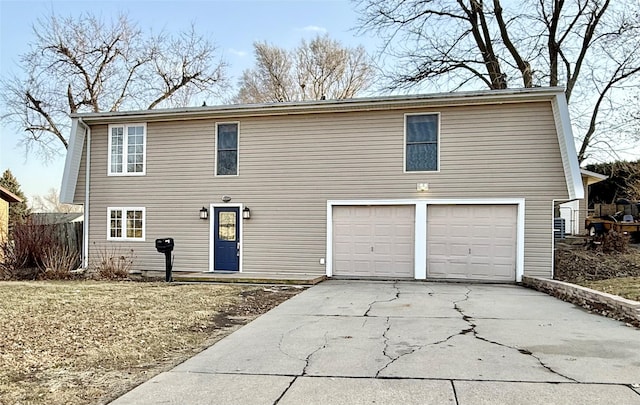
x: 593, y: 177
x: 566, y: 141
x: 327, y: 106
x: 72, y: 162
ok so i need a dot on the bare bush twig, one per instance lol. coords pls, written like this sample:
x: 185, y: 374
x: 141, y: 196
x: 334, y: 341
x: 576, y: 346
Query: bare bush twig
x: 112, y: 264
x: 57, y: 263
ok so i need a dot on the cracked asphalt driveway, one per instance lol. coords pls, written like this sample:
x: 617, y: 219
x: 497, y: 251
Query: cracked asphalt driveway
x: 365, y: 342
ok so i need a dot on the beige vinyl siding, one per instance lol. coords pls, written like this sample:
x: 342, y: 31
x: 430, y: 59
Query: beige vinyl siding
x: 583, y: 205
x: 291, y: 165
x: 4, y: 223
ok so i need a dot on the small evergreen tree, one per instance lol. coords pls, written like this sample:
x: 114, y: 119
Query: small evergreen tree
x: 18, y: 212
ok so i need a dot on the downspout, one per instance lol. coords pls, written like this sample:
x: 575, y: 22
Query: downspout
x: 87, y: 175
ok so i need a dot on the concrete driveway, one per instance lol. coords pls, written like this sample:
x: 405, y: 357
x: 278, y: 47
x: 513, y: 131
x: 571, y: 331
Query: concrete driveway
x: 351, y: 342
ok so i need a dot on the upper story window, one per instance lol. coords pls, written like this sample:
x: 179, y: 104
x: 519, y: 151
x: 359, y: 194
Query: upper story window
x: 125, y: 223
x: 127, y: 149
x: 227, y: 149
x: 421, y: 142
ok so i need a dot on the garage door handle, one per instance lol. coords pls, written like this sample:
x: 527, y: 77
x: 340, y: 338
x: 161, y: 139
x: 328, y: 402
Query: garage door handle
x: 469, y: 251
x: 372, y: 248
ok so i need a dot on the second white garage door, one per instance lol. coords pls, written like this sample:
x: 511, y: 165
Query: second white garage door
x: 475, y: 242
x: 373, y: 241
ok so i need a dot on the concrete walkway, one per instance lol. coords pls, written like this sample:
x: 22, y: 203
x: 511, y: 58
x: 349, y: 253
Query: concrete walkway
x: 350, y: 342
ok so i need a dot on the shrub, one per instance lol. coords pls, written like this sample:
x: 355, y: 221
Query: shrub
x: 112, y: 264
x: 10, y: 260
x: 57, y: 263
x: 27, y: 248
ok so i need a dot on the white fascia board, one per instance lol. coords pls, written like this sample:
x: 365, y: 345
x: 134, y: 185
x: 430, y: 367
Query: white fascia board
x: 72, y: 162
x: 593, y: 177
x: 325, y: 106
x: 566, y: 141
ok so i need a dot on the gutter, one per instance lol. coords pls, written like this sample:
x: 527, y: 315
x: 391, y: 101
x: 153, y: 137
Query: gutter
x: 324, y: 106
x: 87, y: 175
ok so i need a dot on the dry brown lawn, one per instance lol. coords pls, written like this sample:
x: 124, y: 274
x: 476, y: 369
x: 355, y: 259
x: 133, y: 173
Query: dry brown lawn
x: 89, y: 342
x: 627, y: 287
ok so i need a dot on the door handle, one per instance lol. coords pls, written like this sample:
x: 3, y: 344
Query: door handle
x: 238, y: 246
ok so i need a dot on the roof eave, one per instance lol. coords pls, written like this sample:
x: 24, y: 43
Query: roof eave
x: 320, y: 106
x: 570, y: 163
x: 8, y: 196
x: 593, y: 177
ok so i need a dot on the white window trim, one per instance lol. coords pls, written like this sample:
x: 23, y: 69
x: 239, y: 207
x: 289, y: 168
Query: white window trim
x: 124, y: 150
x: 124, y: 223
x: 404, y: 144
x: 215, y: 169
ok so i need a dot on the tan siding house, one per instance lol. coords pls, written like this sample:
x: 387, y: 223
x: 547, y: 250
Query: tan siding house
x: 375, y: 168
x: 6, y: 197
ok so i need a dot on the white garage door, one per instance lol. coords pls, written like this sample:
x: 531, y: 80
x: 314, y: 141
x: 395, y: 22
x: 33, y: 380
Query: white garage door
x: 476, y: 242
x: 373, y: 241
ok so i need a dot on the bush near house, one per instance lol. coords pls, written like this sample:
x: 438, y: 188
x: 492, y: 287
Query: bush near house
x: 37, y: 250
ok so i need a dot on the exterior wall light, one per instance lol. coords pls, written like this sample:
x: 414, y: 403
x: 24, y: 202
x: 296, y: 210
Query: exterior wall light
x: 246, y: 213
x: 422, y: 187
x: 204, y: 213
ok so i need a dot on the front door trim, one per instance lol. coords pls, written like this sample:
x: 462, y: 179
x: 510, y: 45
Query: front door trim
x: 212, y: 233
x: 420, y: 271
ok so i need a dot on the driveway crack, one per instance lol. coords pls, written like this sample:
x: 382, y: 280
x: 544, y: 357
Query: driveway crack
x: 473, y: 331
x: 285, y: 391
x: 397, y: 295
x: 287, y: 333
x: 455, y: 393
x: 308, y: 358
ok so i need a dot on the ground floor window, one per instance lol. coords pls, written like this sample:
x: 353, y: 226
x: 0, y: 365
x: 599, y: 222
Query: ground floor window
x: 125, y: 223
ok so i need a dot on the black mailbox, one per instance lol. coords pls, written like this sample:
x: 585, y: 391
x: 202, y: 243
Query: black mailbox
x: 165, y: 245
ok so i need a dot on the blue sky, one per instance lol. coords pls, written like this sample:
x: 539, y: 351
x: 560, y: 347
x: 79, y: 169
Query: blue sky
x: 232, y: 25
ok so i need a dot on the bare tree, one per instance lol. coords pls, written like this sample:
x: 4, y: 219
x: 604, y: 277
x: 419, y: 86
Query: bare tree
x: 50, y: 202
x: 589, y: 46
x: 89, y: 65
x: 318, y: 68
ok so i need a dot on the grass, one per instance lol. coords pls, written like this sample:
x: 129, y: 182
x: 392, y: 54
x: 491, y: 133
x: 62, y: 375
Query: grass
x: 627, y: 287
x: 89, y: 342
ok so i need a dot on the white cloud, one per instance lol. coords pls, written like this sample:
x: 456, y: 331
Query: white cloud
x: 237, y: 52
x: 314, y: 28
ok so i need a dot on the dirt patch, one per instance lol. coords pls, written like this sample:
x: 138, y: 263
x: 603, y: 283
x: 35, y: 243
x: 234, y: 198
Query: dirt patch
x: 576, y: 264
x: 614, y: 272
x: 88, y: 342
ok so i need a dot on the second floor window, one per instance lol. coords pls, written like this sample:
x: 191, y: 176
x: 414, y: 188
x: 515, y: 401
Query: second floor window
x: 421, y: 142
x: 127, y: 148
x: 227, y: 149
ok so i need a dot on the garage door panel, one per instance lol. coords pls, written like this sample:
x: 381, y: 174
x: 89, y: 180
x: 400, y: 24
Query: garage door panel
x: 471, y: 241
x: 361, y: 248
x: 375, y: 241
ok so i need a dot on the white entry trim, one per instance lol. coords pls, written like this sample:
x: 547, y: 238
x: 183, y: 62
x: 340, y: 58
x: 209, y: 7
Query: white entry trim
x: 420, y: 271
x: 212, y: 230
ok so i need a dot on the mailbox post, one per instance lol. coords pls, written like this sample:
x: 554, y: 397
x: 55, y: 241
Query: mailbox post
x: 165, y: 245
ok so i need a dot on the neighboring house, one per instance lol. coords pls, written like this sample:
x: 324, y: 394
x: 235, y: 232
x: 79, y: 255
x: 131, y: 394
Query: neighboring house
x: 444, y: 186
x: 575, y: 212
x: 6, y: 197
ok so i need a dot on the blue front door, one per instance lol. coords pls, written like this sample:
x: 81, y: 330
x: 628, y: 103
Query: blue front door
x: 226, y: 238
